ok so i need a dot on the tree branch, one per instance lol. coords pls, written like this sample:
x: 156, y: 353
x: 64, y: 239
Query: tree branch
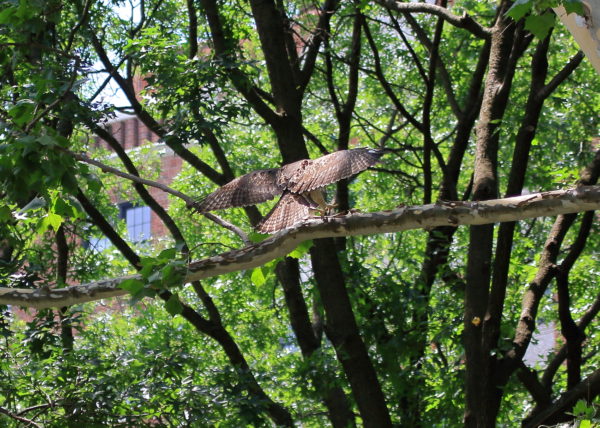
x: 552, y: 203
x: 27, y: 422
x: 562, y: 75
x: 560, y: 356
x: 136, y: 179
x: 325, y: 383
x: 192, y: 29
x: 384, y: 83
x: 149, y: 121
x: 313, y: 45
x: 504, y: 243
x: 537, y: 287
x: 141, y: 190
x: 529, y: 379
x: 588, y: 389
x: 464, y: 21
x: 108, y: 230
x: 444, y: 74
x: 224, y: 46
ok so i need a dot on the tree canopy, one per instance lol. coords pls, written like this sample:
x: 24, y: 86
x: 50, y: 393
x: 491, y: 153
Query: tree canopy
x: 390, y: 313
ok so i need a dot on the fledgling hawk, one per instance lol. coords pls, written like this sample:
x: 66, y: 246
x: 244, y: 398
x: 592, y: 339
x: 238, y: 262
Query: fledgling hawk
x: 299, y: 184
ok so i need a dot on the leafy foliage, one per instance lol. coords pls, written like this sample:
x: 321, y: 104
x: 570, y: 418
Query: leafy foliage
x: 276, y: 344
x: 539, y: 19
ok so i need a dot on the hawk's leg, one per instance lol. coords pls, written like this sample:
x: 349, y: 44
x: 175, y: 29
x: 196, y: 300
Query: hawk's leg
x: 323, y: 208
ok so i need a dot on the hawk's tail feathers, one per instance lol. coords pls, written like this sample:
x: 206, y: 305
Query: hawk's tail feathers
x: 289, y: 210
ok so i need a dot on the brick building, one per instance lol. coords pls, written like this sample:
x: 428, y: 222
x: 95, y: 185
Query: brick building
x: 131, y: 133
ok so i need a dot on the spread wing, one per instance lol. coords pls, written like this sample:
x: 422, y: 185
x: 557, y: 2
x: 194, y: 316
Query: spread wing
x: 313, y: 174
x: 250, y: 189
x: 290, y: 209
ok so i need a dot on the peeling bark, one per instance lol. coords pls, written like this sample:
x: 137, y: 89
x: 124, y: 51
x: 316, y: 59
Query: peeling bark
x: 585, y: 198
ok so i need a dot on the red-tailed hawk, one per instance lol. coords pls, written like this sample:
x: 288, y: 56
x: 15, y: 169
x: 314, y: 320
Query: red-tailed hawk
x: 299, y: 184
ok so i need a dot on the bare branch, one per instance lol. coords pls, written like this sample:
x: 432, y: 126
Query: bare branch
x: 562, y: 75
x: 314, y: 43
x: 86, y: 159
x: 224, y: 223
x: 187, y: 199
x: 150, y: 121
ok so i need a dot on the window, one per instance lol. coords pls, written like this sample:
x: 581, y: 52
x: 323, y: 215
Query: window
x: 137, y: 220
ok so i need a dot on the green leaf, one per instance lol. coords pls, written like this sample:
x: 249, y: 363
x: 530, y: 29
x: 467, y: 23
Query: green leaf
x: 172, y: 274
x: 7, y: 14
x: 155, y: 276
x: 540, y: 25
x: 5, y: 213
x: 301, y: 250
x: 167, y: 272
x: 519, y: 9
x: 583, y: 410
x: 148, y: 267
x: 173, y: 305
x: 93, y: 181
x: 50, y: 220
x: 54, y: 220
x: 22, y: 111
x: 574, y: 6
x: 69, y: 183
x: 76, y: 207
x: 64, y: 208
x: 132, y: 285
x: 168, y: 254
x: 257, y: 277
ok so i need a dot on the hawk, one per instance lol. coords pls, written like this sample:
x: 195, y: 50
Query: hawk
x: 299, y: 184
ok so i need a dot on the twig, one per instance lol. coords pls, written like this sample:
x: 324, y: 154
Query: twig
x: 85, y: 159
x: 190, y: 202
x: 223, y: 223
x: 18, y: 418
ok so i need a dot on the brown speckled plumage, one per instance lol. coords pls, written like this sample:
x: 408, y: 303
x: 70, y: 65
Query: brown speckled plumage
x: 293, y: 181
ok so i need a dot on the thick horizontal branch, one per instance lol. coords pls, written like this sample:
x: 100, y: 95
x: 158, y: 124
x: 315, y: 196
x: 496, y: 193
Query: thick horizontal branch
x: 552, y: 203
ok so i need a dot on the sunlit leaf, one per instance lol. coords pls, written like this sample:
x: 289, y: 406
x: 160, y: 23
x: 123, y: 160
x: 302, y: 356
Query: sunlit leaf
x: 257, y: 277
x: 301, y: 249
